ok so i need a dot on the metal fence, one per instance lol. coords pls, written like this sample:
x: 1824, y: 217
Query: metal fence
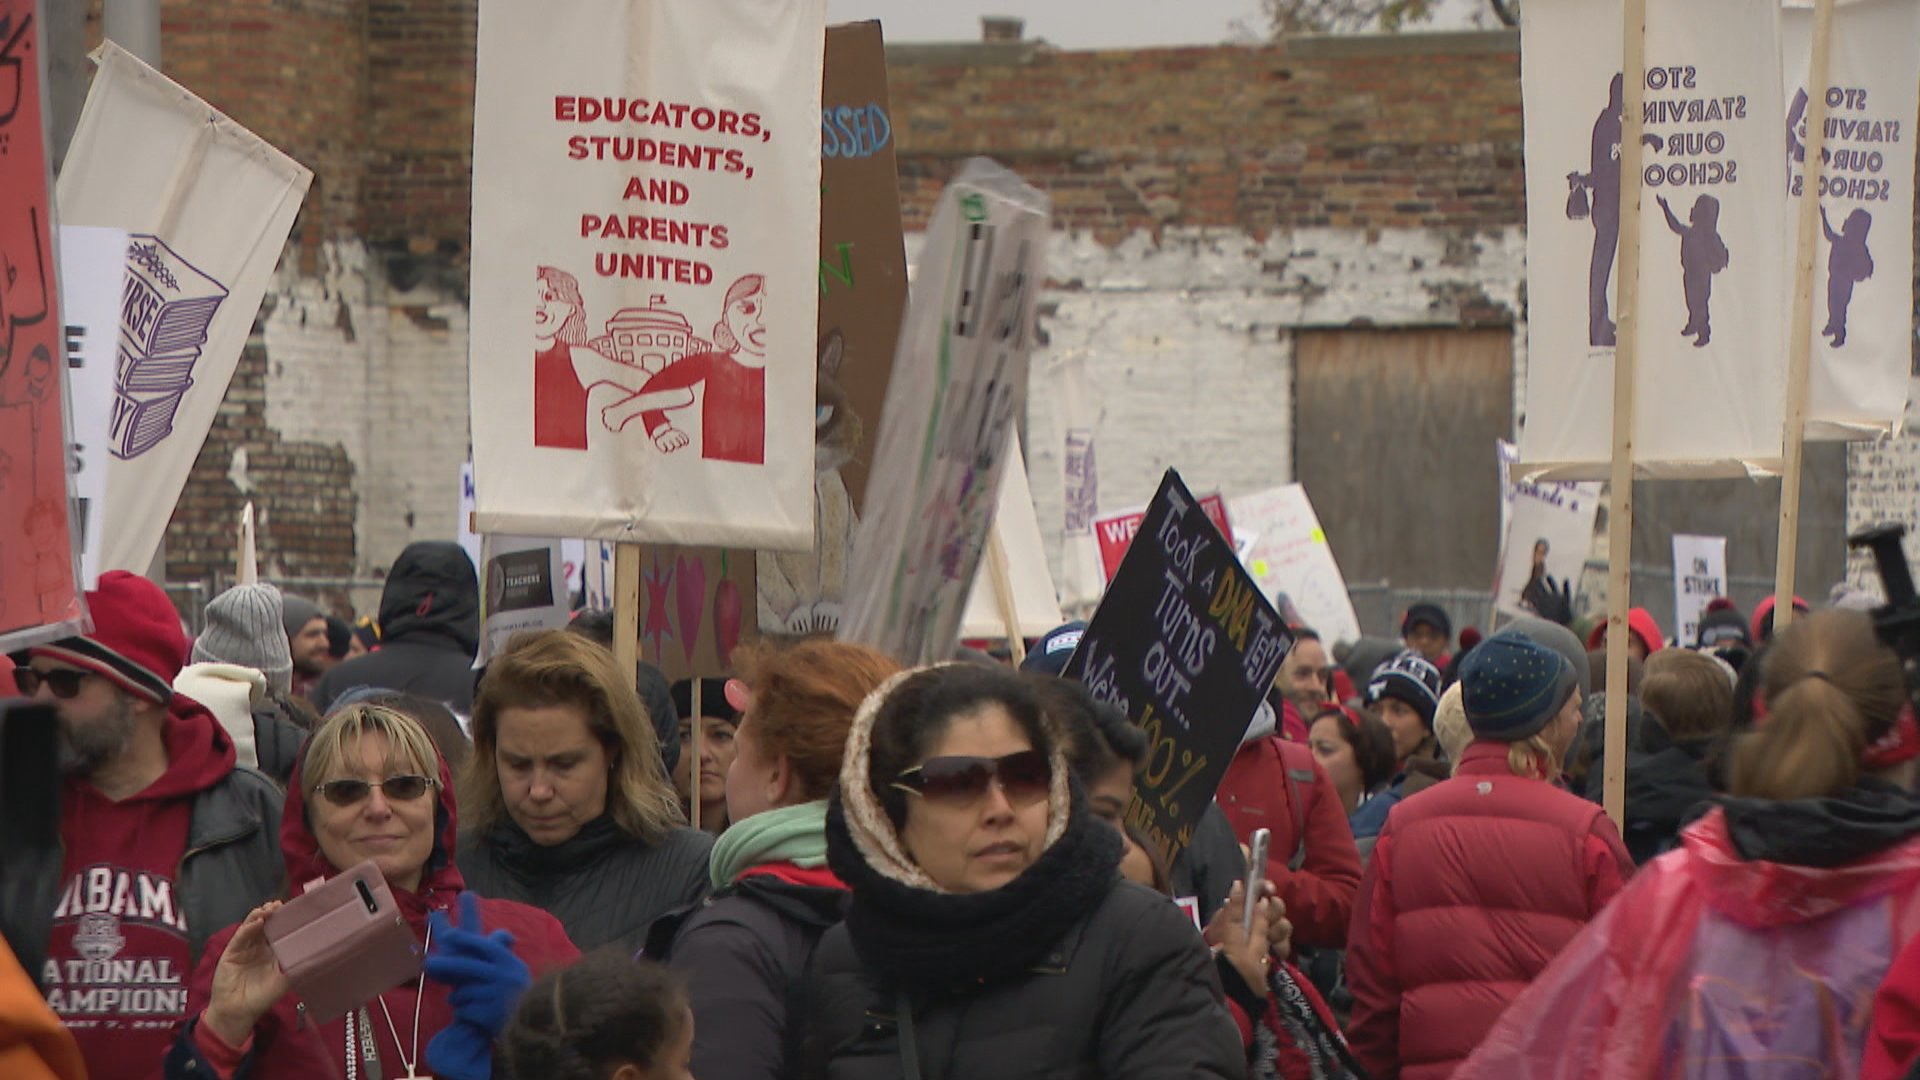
x: 361, y: 594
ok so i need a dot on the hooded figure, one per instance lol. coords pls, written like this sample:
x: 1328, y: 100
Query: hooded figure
x: 429, y: 629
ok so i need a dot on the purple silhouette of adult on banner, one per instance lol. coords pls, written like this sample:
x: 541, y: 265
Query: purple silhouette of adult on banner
x: 1848, y: 264
x: 1596, y: 194
x: 1702, y: 255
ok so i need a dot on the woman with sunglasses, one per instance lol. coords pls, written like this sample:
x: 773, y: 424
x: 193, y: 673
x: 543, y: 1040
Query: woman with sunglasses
x: 369, y: 785
x: 989, y: 932
x: 744, y: 952
x: 571, y: 809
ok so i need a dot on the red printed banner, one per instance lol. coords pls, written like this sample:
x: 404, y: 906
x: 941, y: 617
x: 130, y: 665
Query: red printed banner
x: 1115, y: 531
x: 39, y: 592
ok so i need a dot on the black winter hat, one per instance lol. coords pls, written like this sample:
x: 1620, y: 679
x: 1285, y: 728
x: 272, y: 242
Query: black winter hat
x: 1407, y: 677
x: 1432, y: 615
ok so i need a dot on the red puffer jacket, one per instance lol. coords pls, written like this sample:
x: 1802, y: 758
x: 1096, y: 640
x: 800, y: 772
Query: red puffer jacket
x: 1475, y: 885
x: 1275, y: 784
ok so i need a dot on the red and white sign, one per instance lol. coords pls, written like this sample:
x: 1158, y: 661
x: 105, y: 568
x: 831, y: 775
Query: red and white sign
x: 1115, y: 531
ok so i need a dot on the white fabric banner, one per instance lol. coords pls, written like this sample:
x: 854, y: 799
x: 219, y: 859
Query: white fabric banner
x: 1547, y: 536
x: 524, y: 587
x: 209, y: 205
x: 1036, y: 607
x: 959, y: 382
x: 646, y: 217
x: 1291, y: 559
x: 1713, y: 263
x: 1699, y: 575
x: 93, y: 271
x: 1077, y: 409
x: 1862, y: 349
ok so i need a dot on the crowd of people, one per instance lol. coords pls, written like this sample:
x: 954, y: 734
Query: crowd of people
x: 931, y: 872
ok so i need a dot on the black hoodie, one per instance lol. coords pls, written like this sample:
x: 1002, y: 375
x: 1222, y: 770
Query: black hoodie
x: 429, y: 631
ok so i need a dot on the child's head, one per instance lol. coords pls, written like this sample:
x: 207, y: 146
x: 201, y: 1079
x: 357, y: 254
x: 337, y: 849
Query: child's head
x: 1857, y: 225
x: 608, y: 1017
x: 1706, y: 211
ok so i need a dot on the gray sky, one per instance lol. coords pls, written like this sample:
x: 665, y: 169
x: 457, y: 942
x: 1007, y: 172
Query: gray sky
x: 1069, y: 24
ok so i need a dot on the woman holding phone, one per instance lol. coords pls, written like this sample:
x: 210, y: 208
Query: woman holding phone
x: 989, y: 932
x: 369, y: 785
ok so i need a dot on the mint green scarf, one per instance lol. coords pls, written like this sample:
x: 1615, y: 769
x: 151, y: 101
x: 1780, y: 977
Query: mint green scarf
x: 795, y: 834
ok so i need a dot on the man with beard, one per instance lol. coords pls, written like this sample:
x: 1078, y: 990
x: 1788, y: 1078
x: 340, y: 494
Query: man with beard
x: 164, y: 841
x: 306, y: 627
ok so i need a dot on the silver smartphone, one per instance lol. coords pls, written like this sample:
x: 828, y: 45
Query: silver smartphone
x: 1256, y: 876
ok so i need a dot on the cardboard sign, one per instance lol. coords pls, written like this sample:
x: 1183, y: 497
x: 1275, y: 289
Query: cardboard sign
x: 959, y: 381
x: 1699, y: 575
x: 93, y: 268
x: 1187, y: 646
x: 1036, y: 608
x: 1288, y: 553
x: 646, y: 214
x: 39, y: 588
x: 1115, y: 531
x: 693, y: 609
x: 523, y: 588
x: 1546, y: 538
x: 208, y: 205
x: 863, y: 294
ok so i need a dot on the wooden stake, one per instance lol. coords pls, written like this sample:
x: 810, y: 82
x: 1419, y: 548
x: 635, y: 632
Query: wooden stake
x: 626, y: 610
x: 249, y: 563
x: 1002, y: 577
x: 1626, y: 353
x: 693, y: 770
x: 1800, y: 345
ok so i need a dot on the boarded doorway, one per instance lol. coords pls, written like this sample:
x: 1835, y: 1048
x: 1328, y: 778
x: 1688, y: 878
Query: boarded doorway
x: 1394, y: 440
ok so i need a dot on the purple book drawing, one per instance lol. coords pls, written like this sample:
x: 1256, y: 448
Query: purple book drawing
x: 165, y: 311
x: 1702, y: 255
x: 1848, y: 264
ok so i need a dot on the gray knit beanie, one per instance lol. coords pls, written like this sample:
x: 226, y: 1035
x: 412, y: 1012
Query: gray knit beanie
x: 244, y: 628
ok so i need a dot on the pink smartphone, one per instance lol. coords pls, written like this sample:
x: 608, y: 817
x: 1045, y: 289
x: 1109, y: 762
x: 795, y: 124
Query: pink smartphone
x: 344, y: 942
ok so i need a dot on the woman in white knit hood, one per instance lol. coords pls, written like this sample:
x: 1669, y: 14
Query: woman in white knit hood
x: 241, y: 670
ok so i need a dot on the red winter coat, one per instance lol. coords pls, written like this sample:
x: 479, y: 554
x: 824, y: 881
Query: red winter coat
x: 1275, y: 784
x: 1476, y: 883
x: 1893, y: 1043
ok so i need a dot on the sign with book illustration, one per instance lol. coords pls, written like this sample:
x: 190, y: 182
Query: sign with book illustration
x: 646, y: 233
x: 93, y: 271
x: 40, y: 595
x: 1187, y: 646
x: 207, y: 220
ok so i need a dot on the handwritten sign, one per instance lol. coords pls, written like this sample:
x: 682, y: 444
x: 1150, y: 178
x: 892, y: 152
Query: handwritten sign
x: 1290, y: 556
x: 1699, y: 575
x: 1187, y: 646
x: 1115, y: 531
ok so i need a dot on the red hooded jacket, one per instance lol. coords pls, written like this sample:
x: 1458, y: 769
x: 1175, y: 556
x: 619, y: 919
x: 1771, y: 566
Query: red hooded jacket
x: 286, y: 1046
x: 1476, y: 883
x: 1275, y: 784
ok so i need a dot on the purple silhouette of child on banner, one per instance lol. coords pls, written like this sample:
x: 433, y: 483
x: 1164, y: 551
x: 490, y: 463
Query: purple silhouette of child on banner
x: 1702, y: 255
x: 1848, y: 264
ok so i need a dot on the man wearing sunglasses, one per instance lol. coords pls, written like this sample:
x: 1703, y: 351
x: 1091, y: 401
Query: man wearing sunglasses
x: 164, y: 841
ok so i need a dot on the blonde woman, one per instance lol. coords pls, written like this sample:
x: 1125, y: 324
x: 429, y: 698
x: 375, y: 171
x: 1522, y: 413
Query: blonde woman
x: 1477, y: 882
x: 568, y: 805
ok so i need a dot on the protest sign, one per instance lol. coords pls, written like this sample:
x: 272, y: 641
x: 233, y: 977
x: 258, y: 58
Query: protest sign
x: 1699, y: 575
x: 1547, y: 537
x: 1291, y: 559
x: 209, y: 218
x: 1714, y: 265
x: 1863, y: 269
x: 523, y: 588
x: 646, y: 208
x: 693, y: 609
x: 39, y: 574
x: 1187, y: 647
x: 1016, y: 528
x: 863, y: 291
x: 1115, y: 531
x: 1078, y: 413
x: 93, y: 270
x: 959, y: 381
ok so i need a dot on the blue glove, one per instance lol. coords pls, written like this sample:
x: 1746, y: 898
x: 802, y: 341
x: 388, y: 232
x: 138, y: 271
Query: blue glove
x: 487, y: 980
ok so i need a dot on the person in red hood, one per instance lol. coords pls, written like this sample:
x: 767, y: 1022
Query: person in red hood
x: 1756, y: 948
x: 369, y: 785
x: 163, y: 839
x: 1643, y: 635
x: 745, y: 949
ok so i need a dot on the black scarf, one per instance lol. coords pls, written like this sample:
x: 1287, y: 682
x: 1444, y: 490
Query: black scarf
x: 531, y: 861
x: 914, y: 938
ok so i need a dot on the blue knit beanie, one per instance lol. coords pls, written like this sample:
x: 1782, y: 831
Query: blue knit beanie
x: 1513, y: 687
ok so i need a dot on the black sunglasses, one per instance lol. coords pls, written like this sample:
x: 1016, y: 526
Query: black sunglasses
x: 353, y: 792
x: 1025, y: 777
x: 64, y: 682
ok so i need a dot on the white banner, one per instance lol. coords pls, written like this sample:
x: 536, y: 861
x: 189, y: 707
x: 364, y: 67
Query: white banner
x: 524, y: 587
x: 1699, y: 575
x: 1547, y: 537
x: 209, y: 205
x: 1035, y: 605
x: 93, y: 270
x: 1077, y: 409
x: 646, y: 216
x: 1862, y: 348
x: 959, y: 382
x: 1290, y: 557
x: 1713, y: 262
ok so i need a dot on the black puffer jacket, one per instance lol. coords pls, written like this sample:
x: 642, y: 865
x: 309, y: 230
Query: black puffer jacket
x: 429, y: 631
x: 603, y: 885
x: 1209, y: 866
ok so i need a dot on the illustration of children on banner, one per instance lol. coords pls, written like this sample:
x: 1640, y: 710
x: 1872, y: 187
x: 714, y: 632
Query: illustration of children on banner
x: 566, y: 367
x: 733, y: 414
x: 1848, y: 263
x: 1702, y: 255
